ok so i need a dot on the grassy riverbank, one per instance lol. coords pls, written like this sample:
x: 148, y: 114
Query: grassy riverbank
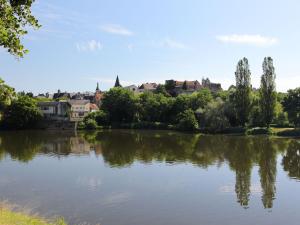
x: 7, y: 217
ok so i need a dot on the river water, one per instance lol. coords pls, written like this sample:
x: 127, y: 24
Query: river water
x: 124, y: 177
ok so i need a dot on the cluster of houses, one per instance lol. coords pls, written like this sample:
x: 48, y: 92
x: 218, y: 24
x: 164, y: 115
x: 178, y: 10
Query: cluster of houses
x: 179, y: 87
x: 73, y: 107
x: 63, y: 106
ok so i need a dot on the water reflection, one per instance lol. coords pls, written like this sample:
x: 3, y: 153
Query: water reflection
x: 123, y: 148
x: 291, y: 160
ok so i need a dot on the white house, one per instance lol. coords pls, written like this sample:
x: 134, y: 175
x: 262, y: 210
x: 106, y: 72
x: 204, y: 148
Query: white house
x: 79, y: 109
x: 132, y: 87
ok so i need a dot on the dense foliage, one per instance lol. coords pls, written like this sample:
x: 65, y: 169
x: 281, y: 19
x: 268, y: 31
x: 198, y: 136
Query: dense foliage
x: 7, y: 94
x: 15, y: 18
x: 291, y: 104
x: 121, y: 105
x: 214, y: 118
x: 22, y: 113
x: 17, y: 111
x: 187, y: 120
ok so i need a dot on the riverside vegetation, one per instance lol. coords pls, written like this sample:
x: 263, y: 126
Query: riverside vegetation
x: 240, y: 109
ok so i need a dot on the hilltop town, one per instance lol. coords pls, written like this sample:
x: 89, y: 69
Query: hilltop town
x: 56, y: 106
x: 188, y: 105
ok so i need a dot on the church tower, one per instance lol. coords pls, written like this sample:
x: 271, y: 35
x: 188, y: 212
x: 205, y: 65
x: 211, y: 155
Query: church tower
x: 98, y: 96
x: 97, y: 88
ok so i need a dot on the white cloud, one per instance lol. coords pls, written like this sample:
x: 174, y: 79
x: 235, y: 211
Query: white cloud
x: 256, y: 40
x: 170, y: 43
x: 91, y: 46
x: 116, y: 29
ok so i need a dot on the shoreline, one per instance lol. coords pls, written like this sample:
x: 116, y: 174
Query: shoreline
x: 238, y: 131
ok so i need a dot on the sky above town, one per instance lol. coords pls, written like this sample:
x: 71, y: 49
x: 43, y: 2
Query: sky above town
x: 85, y: 42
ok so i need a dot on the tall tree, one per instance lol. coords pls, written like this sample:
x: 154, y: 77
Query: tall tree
x: 267, y: 91
x: 170, y: 87
x: 243, y: 91
x: 161, y: 89
x: 120, y: 104
x: 15, y: 18
x: 117, y: 83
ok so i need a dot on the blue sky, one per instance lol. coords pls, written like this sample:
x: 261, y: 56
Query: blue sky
x: 82, y: 42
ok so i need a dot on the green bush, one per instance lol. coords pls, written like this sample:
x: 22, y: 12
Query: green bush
x: 90, y: 124
x: 291, y: 105
x: 213, y: 118
x: 100, y: 117
x: 154, y: 107
x: 187, y: 121
x: 256, y: 117
x: 22, y: 113
x: 282, y: 120
x: 121, y: 105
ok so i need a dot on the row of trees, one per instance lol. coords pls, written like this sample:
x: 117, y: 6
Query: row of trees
x: 243, y: 98
x: 239, y: 106
x: 121, y: 106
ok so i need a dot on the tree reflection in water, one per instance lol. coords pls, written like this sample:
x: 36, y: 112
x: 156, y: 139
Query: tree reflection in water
x: 121, y: 148
x: 291, y: 160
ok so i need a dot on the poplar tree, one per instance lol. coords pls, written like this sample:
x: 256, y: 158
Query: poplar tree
x: 267, y: 91
x: 243, y: 91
